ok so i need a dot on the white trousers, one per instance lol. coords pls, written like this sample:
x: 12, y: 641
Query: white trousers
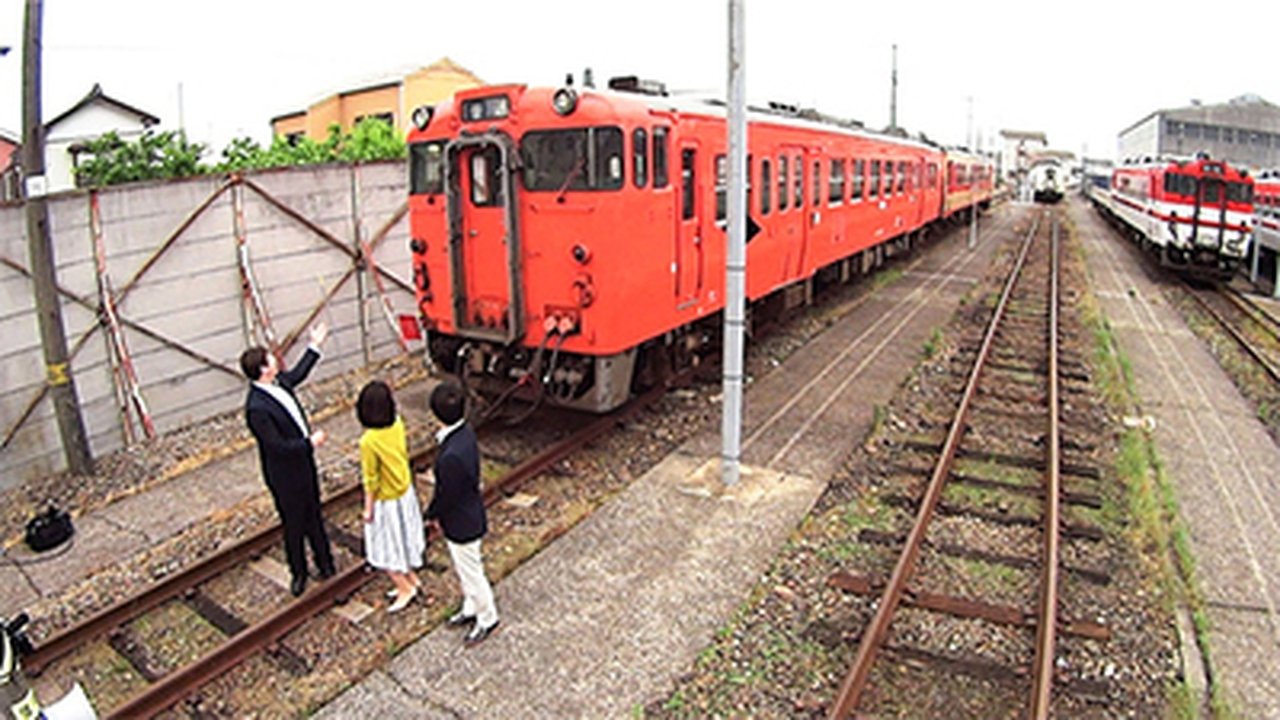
x: 477, y: 595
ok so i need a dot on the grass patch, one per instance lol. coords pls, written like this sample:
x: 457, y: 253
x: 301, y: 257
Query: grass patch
x: 1157, y: 528
x: 932, y: 345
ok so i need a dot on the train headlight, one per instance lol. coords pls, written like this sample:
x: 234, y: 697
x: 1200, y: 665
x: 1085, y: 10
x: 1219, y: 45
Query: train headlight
x: 422, y: 116
x: 564, y: 101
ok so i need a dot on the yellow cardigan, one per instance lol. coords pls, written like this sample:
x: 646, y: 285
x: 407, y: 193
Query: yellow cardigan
x: 384, y: 461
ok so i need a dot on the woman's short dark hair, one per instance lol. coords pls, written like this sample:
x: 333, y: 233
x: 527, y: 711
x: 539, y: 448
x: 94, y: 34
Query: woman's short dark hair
x: 376, y: 408
x: 448, y: 402
x: 252, y: 361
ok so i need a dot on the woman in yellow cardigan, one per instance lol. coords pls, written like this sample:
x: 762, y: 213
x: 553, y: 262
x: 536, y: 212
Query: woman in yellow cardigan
x: 394, y: 539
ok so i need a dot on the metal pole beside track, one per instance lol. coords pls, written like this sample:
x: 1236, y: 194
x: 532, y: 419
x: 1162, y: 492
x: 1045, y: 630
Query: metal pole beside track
x: 736, y: 250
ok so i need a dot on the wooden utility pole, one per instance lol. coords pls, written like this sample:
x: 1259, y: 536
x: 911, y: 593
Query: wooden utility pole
x: 62, y: 388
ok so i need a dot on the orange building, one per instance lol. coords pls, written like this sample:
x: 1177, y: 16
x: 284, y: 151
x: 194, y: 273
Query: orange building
x: 392, y: 100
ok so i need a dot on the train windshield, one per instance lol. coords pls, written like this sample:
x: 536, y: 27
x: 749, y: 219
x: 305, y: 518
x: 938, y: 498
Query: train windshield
x: 580, y: 159
x: 426, y: 168
x: 1179, y: 184
x: 1239, y: 192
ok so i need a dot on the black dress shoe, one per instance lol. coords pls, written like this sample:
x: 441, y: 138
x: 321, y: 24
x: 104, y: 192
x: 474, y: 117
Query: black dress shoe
x: 478, y: 634
x: 326, y: 573
x: 298, y: 585
x: 458, y: 620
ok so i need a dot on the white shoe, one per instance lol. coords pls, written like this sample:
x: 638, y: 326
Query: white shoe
x: 402, y: 602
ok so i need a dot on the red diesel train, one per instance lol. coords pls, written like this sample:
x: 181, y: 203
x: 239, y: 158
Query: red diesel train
x: 569, y: 245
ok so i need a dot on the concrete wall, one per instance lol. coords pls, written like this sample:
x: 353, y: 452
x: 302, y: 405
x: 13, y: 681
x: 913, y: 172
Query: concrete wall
x: 192, y: 294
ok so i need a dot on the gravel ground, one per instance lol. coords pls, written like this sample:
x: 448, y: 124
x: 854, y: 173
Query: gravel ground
x: 787, y: 650
x: 314, y: 663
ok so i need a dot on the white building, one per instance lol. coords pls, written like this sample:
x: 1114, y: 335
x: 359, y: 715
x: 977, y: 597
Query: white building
x: 1018, y: 149
x: 95, y: 115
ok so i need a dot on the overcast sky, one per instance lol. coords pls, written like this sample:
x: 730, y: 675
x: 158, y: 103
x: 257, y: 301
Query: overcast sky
x: 1078, y: 71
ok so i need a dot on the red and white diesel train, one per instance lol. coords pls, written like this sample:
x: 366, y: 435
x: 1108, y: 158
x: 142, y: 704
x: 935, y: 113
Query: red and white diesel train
x: 1194, y: 214
x: 569, y: 244
x: 1266, y: 210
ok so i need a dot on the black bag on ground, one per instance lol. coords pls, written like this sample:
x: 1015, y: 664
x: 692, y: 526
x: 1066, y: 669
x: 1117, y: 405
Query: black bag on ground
x: 49, y: 529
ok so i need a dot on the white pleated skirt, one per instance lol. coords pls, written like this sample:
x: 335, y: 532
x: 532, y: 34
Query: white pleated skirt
x: 395, y: 540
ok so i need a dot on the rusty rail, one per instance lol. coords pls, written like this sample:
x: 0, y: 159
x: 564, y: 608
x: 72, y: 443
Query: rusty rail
x: 181, y: 683
x: 1046, y: 630
x: 873, y: 637
x: 1272, y: 371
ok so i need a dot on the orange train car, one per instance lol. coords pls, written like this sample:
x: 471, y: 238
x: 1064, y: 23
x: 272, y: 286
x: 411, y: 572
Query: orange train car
x: 569, y: 245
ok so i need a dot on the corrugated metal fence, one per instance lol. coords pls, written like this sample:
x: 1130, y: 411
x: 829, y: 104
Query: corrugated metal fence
x: 198, y: 269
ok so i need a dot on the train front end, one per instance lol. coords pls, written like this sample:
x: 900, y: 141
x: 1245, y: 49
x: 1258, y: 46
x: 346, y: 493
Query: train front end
x: 510, y: 203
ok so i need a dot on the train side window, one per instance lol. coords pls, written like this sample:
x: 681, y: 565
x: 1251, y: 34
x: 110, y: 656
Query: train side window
x: 888, y: 178
x: 687, y: 178
x: 722, y: 188
x: 607, y: 169
x: 817, y: 183
x: 933, y: 175
x: 640, y: 157
x: 783, y: 184
x: 902, y: 175
x: 875, y: 179
x: 859, y: 172
x: 486, y: 190
x: 766, y: 186
x: 797, y: 168
x: 836, y: 187
x: 660, y: 179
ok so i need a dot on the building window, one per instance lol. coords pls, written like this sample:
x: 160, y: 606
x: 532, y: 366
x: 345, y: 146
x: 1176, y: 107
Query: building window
x: 293, y: 138
x: 1210, y: 132
x: 1171, y: 127
x: 1228, y: 135
x: 385, y: 117
x: 1191, y: 130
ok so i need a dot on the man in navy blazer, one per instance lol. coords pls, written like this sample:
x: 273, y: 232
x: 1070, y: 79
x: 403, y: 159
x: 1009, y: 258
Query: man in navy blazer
x: 286, y: 447
x: 457, y: 507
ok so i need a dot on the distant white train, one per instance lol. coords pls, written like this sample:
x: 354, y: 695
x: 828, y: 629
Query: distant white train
x: 1048, y: 180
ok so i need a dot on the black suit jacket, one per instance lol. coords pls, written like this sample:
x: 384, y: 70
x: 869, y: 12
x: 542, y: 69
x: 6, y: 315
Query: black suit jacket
x: 457, y: 502
x: 288, y: 460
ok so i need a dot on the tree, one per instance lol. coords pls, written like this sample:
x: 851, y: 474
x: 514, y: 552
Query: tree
x: 110, y: 160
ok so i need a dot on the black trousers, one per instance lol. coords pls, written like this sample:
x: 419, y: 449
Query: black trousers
x: 299, y: 510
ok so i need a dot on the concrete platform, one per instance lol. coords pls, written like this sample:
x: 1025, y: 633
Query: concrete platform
x: 1220, y: 460
x: 604, y: 619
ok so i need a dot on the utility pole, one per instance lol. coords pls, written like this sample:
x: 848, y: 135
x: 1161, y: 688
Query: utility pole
x: 736, y: 252
x: 893, y: 92
x: 62, y: 388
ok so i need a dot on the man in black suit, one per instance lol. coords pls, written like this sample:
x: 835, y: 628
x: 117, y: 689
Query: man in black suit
x: 286, y: 446
x: 457, y: 508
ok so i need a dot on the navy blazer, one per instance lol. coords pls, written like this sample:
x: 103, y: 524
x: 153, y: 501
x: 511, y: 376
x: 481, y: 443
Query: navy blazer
x: 288, y: 460
x: 457, y: 502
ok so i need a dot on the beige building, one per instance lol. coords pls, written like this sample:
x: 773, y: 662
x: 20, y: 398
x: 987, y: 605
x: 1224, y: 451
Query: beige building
x: 392, y: 100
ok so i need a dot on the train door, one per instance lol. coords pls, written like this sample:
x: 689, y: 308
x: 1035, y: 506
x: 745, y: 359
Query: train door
x: 484, y: 248
x: 689, y: 235
x: 797, y: 224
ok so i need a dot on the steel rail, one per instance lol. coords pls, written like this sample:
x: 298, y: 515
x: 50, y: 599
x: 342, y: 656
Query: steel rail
x: 1235, y: 333
x: 1046, y: 631
x: 1256, y: 312
x: 873, y: 637
x: 178, y: 583
x: 181, y: 683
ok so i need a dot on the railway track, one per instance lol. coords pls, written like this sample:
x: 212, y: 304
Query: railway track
x: 1255, y: 330
x: 1017, y: 363
x: 246, y: 639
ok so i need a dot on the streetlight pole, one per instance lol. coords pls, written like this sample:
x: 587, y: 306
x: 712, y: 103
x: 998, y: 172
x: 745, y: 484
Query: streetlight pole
x: 53, y: 339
